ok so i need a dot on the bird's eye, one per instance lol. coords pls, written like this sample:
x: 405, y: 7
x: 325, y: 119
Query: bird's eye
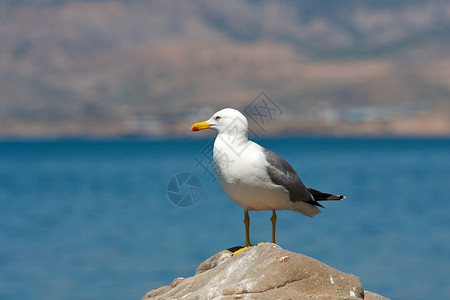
x: 217, y: 118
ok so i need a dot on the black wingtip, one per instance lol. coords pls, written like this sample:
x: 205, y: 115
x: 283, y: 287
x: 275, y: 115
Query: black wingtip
x: 319, y: 205
x: 319, y: 196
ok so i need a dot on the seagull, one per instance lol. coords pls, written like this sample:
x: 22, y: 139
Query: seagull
x: 254, y: 177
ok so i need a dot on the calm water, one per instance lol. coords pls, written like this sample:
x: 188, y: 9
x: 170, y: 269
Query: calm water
x: 91, y: 219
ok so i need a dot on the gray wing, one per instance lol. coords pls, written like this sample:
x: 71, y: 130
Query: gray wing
x: 281, y: 173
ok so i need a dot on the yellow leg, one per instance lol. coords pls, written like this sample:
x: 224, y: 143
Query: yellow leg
x: 247, y: 234
x: 274, y: 222
x: 247, y: 229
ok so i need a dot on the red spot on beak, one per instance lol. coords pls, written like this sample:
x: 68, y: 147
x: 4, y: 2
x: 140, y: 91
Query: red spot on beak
x: 194, y: 128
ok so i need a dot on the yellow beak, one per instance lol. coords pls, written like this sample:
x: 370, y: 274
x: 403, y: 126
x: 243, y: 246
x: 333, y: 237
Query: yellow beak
x: 200, y: 126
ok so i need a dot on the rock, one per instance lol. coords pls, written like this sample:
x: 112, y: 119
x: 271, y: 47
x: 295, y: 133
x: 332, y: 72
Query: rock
x: 213, y: 261
x: 372, y: 296
x: 264, y: 272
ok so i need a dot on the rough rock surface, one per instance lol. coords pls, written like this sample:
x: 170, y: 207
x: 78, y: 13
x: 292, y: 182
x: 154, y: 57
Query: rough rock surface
x: 264, y: 272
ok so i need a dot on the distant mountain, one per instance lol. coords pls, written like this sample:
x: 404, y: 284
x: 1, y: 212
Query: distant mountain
x: 119, y: 67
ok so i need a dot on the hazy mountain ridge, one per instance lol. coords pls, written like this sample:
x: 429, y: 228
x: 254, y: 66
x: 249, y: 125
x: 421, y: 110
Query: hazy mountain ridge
x: 71, y: 67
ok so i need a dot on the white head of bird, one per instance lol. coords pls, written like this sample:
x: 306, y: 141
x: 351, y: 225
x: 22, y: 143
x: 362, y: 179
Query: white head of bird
x: 225, y: 121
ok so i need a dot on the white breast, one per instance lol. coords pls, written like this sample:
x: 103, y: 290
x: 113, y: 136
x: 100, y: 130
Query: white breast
x: 241, y: 171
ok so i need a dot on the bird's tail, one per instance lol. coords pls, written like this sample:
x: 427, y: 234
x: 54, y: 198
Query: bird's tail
x: 319, y: 196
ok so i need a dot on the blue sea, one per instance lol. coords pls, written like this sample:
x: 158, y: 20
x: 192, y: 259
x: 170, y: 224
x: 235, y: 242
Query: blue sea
x: 86, y: 219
